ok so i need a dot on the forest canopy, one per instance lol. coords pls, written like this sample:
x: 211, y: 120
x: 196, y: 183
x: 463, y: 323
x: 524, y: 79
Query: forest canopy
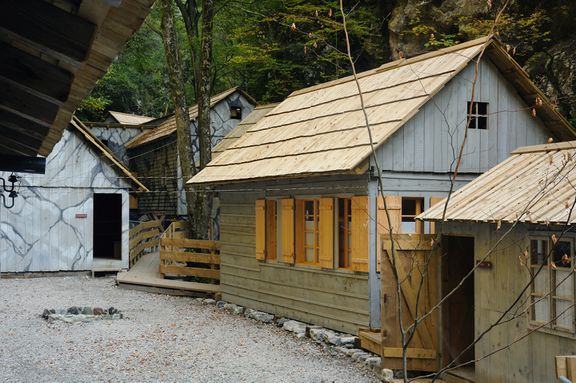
x: 271, y: 48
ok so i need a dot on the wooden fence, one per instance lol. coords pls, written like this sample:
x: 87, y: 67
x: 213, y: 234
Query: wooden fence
x: 144, y: 236
x: 183, y: 257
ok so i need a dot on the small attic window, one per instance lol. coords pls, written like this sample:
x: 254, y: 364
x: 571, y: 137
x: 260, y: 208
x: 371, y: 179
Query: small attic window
x: 478, y: 119
x: 236, y: 112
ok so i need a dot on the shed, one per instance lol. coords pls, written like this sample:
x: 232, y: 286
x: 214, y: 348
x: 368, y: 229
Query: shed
x: 517, y: 223
x: 119, y: 129
x: 154, y: 156
x: 75, y: 216
x: 301, y: 220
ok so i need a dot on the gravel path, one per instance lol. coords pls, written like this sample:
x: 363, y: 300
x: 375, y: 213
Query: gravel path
x: 161, y: 339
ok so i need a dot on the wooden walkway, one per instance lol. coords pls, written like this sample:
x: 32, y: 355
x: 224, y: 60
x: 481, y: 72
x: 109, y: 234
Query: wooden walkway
x: 145, y: 276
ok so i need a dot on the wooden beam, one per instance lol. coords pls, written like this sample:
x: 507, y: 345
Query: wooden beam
x: 47, y: 25
x: 23, y: 125
x: 33, y: 73
x: 13, y: 147
x: 29, y: 140
x: 26, y: 104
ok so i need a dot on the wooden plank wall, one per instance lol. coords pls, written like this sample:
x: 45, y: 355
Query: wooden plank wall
x: 424, y: 144
x: 531, y: 359
x: 334, y: 299
x: 155, y: 165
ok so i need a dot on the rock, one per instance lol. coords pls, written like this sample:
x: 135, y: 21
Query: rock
x: 373, y: 362
x: 360, y: 356
x: 363, y: 357
x: 98, y: 311
x: 280, y: 321
x: 220, y: 304
x: 199, y: 300
x: 46, y: 314
x: 323, y: 335
x: 233, y: 309
x: 311, y: 327
x: 87, y: 311
x: 112, y: 310
x: 209, y: 301
x: 348, y: 340
x: 386, y: 375
x: 260, y: 316
x: 298, y: 328
x: 341, y: 349
x: 73, y: 310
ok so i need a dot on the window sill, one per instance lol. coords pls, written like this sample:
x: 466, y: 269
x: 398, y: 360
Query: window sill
x: 315, y: 269
x: 551, y: 331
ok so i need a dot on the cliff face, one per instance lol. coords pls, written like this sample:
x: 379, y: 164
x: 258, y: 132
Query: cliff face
x: 539, y: 34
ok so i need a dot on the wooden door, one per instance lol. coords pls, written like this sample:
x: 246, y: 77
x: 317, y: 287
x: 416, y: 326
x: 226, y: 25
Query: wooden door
x: 417, y: 268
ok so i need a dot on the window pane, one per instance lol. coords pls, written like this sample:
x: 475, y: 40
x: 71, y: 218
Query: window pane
x: 472, y: 123
x: 538, y: 251
x: 310, y: 255
x: 408, y: 206
x: 482, y: 122
x: 482, y: 108
x: 541, y: 281
x: 408, y: 227
x: 564, y: 313
x: 541, y: 309
x: 309, y: 210
x: 564, y: 286
x: 562, y: 254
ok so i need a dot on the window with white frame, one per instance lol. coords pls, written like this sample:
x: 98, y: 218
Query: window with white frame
x: 477, y: 113
x: 552, y: 290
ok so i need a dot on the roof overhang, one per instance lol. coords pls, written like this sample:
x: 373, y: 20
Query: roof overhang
x: 52, y: 54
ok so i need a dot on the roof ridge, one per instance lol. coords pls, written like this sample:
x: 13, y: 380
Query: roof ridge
x: 545, y: 147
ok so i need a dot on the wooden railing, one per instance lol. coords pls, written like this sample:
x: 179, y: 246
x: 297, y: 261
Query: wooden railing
x: 182, y: 257
x: 144, y: 236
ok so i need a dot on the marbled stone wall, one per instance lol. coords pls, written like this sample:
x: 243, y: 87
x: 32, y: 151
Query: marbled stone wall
x: 116, y: 138
x: 43, y: 232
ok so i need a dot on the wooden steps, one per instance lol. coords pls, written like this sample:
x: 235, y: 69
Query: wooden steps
x: 145, y: 276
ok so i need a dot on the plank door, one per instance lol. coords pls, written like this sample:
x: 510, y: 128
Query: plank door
x: 417, y: 269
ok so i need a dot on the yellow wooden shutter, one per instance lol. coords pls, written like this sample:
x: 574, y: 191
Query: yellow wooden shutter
x: 260, y: 229
x: 434, y: 201
x: 360, y: 233
x: 327, y: 233
x: 288, y: 230
x: 394, y: 206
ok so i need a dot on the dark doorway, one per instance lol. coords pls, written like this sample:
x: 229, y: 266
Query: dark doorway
x: 108, y: 226
x: 458, y: 310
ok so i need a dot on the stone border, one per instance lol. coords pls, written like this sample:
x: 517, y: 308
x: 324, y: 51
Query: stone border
x: 342, y: 343
x: 77, y: 314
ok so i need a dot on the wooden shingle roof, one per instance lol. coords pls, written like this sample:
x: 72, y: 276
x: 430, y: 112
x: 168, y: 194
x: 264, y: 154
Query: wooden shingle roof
x: 256, y: 115
x: 321, y: 130
x: 534, y: 185
x: 129, y: 119
x: 167, y: 124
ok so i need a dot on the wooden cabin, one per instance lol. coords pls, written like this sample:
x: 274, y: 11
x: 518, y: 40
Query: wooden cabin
x: 75, y: 216
x: 118, y: 129
x: 516, y: 223
x: 154, y: 157
x: 301, y: 221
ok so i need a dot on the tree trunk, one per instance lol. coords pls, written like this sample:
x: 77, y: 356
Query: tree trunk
x: 204, y: 202
x: 176, y: 84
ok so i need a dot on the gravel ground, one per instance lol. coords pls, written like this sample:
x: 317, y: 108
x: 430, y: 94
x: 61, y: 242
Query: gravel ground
x: 161, y: 339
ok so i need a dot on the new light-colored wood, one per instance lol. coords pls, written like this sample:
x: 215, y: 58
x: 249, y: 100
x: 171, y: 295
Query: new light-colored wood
x: 144, y: 237
x: 146, y: 273
x: 260, y: 229
x: 288, y: 230
x: 183, y: 257
x: 359, y: 230
x: 532, y: 186
x: 415, y: 266
x: 327, y: 233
